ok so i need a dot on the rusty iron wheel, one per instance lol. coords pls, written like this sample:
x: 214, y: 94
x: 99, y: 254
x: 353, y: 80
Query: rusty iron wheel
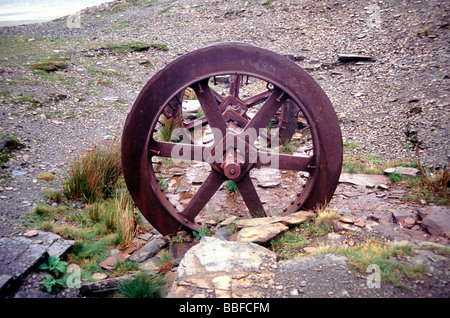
x: 289, y: 94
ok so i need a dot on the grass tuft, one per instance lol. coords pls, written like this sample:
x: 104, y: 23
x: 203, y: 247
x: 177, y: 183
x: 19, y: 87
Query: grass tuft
x: 94, y: 176
x: 143, y: 285
x: 375, y: 252
x: 168, y: 127
x: 51, y: 64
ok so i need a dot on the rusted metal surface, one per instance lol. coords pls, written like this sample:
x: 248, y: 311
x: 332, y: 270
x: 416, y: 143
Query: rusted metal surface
x: 290, y: 92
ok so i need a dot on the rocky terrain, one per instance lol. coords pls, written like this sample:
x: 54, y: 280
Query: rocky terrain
x: 391, y: 102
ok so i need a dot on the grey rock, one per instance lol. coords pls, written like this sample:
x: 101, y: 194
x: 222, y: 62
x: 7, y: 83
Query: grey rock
x: 261, y: 233
x: 437, y: 220
x: 404, y: 171
x: 148, y: 250
x: 220, y: 268
x: 151, y: 265
x: 18, y: 256
x: 32, y: 293
x: 402, y: 215
x: 3, y: 143
x: 346, y: 58
x: 269, y: 183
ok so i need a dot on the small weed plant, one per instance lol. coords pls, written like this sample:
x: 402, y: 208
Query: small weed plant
x: 202, y: 232
x: 231, y: 187
x: 57, y: 268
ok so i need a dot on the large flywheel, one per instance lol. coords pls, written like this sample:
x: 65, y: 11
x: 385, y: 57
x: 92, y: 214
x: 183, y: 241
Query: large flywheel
x: 251, y: 102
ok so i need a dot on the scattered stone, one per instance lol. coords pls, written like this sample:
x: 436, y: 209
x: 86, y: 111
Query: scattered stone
x: 437, y: 220
x: 103, y: 287
x: 18, y: 256
x: 228, y: 220
x: 258, y: 221
x: 298, y: 217
x: 110, y: 262
x: 362, y: 179
x: 149, y: 250
x: 200, y: 178
x: 408, y: 222
x: 346, y: 58
x: 30, y: 233
x: 191, y: 106
x: 221, y: 269
x: 176, y: 172
x: 182, y: 189
x: 404, y: 171
x: 269, y: 183
x: 406, y: 218
x: 32, y: 293
x: 346, y: 220
x: 111, y: 99
x: 179, y: 249
x: 99, y: 276
x: 383, y: 186
x: 360, y: 224
x: 151, y: 265
x: 145, y: 236
x: 260, y: 233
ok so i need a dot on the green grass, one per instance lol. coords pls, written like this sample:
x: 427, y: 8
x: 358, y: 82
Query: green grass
x: 168, y: 126
x: 51, y: 64
x: 269, y: 4
x: 94, y: 176
x: 291, y: 243
x: 433, y: 188
x: 143, y: 285
x: 93, y: 71
x: 231, y: 187
x: 287, y: 148
x: 94, y: 208
x: 135, y: 46
x: 375, y: 252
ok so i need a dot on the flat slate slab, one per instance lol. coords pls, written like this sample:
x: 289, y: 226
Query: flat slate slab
x: 19, y: 255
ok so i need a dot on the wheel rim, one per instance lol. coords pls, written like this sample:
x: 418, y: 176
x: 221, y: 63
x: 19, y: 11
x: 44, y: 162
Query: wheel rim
x: 223, y: 114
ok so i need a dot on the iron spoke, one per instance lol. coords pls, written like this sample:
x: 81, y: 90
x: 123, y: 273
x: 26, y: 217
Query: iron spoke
x: 284, y: 162
x: 235, y: 85
x: 209, y: 104
x: 250, y: 196
x: 179, y: 150
x: 208, y: 188
x: 257, y: 99
x: 267, y: 111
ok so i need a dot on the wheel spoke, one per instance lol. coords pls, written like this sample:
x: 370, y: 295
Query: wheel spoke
x: 235, y: 85
x: 267, y: 111
x: 209, y: 105
x: 284, y: 162
x: 257, y: 99
x: 203, y: 195
x: 250, y: 196
x: 179, y: 150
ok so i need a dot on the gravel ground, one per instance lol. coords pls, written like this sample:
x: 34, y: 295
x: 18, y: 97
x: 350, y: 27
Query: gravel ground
x: 386, y: 106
